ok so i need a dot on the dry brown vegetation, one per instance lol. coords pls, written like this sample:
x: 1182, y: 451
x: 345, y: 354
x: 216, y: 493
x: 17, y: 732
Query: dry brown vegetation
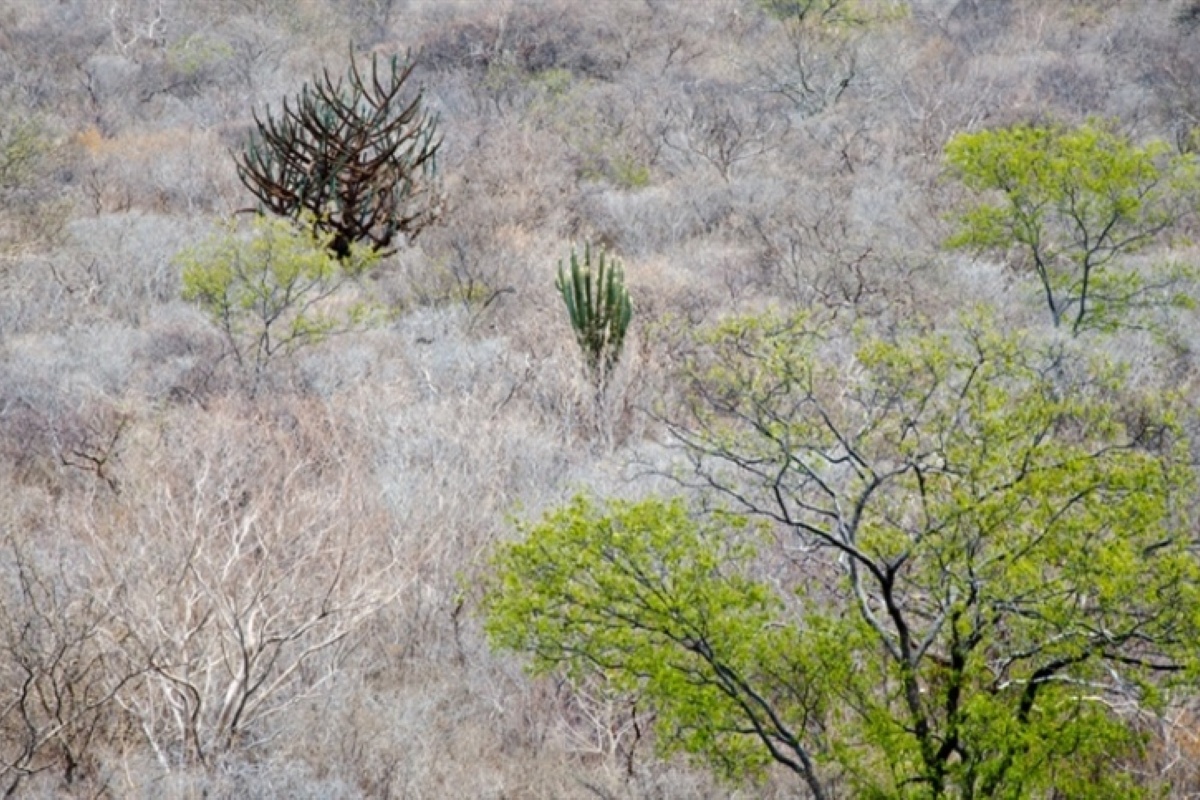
x: 205, y: 593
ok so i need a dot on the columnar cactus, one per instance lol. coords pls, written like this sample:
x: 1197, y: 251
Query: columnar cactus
x: 599, y: 308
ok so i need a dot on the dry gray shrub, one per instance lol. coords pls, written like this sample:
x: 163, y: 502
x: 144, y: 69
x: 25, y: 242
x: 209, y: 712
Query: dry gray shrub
x: 245, y: 551
x: 116, y: 268
x: 134, y: 472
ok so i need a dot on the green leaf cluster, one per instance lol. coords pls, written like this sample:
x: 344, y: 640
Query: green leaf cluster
x: 1070, y: 204
x: 1010, y: 527
x: 23, y: 144
x: 662, y: 605
x: 833, y: 13
x: 192, y: 55
x: 273, y: 288
x: 982, y: 567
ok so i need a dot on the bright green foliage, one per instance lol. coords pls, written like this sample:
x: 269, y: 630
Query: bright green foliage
x: 983, y: 568
x: 599, y: 308
x: 272, y: 289
x: 661, y: 604
x: 1071, y: 203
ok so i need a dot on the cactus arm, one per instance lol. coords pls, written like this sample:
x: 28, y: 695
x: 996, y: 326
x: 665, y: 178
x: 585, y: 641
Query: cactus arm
x: 598, y: 308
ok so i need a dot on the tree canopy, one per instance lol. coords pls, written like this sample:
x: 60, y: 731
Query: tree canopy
x: 1071, y: 203
x: 978, y: 572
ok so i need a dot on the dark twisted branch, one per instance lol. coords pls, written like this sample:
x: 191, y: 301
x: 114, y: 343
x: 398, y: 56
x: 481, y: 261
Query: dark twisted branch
x: 349, y: 157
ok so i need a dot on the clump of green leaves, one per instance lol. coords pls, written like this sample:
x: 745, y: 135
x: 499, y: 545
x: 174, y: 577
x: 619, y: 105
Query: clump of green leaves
x: 274, y: 288
x: 598, y: 307
x: 23, y: 144
x: 1071, y: 204
x: 193, y: 55
x: 830, y: 12
x: 627, y: 172
x: 662, y: 602
x: 981, y: 555
x: 32, y: 212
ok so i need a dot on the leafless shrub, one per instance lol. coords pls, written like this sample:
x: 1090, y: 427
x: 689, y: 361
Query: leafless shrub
x: 1174, y: 752
x: 724, y: 128
x: 656, y: 220
x: 61, y: 666
x: 528, y: 37
x: 465, y: 267
x: 257, y: 50
x: 179, y: 358
x: 47, y: 43
x: 508, y: 189
x: 171, y: 170
x: 57, y: 432
x: 1173, y: 75
x: 109, y: 84
x: 943, y: 90
x: 804, y: 59
x: 1076, y: 87
x: 250, y: 552
x: 120, y: 266
x: 237, y: 779
x: 137, y: 25
x: 810, y: 252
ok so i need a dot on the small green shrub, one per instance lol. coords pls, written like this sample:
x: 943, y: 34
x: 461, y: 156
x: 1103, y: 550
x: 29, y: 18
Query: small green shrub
x: 274, y: 288
x: 23, y: 143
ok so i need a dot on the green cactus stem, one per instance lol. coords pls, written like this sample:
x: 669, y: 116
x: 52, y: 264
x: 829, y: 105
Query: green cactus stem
x: 599, y: 309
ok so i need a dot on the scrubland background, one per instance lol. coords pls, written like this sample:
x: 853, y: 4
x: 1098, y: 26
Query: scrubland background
x: 207, y: 591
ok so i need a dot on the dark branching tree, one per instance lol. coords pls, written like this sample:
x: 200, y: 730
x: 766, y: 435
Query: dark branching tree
x: 976, y: 572
x: 355, y: 158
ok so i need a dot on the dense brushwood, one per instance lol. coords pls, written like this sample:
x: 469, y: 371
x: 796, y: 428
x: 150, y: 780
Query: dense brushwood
x: 243, y: 557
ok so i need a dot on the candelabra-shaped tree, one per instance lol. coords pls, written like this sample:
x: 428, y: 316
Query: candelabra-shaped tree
x: 351, y: 157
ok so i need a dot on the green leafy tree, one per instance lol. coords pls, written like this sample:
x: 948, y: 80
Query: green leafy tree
x: 981, y: 569
x: 1070, y: 204
x: 661, y: 605
x: 273, y: 289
